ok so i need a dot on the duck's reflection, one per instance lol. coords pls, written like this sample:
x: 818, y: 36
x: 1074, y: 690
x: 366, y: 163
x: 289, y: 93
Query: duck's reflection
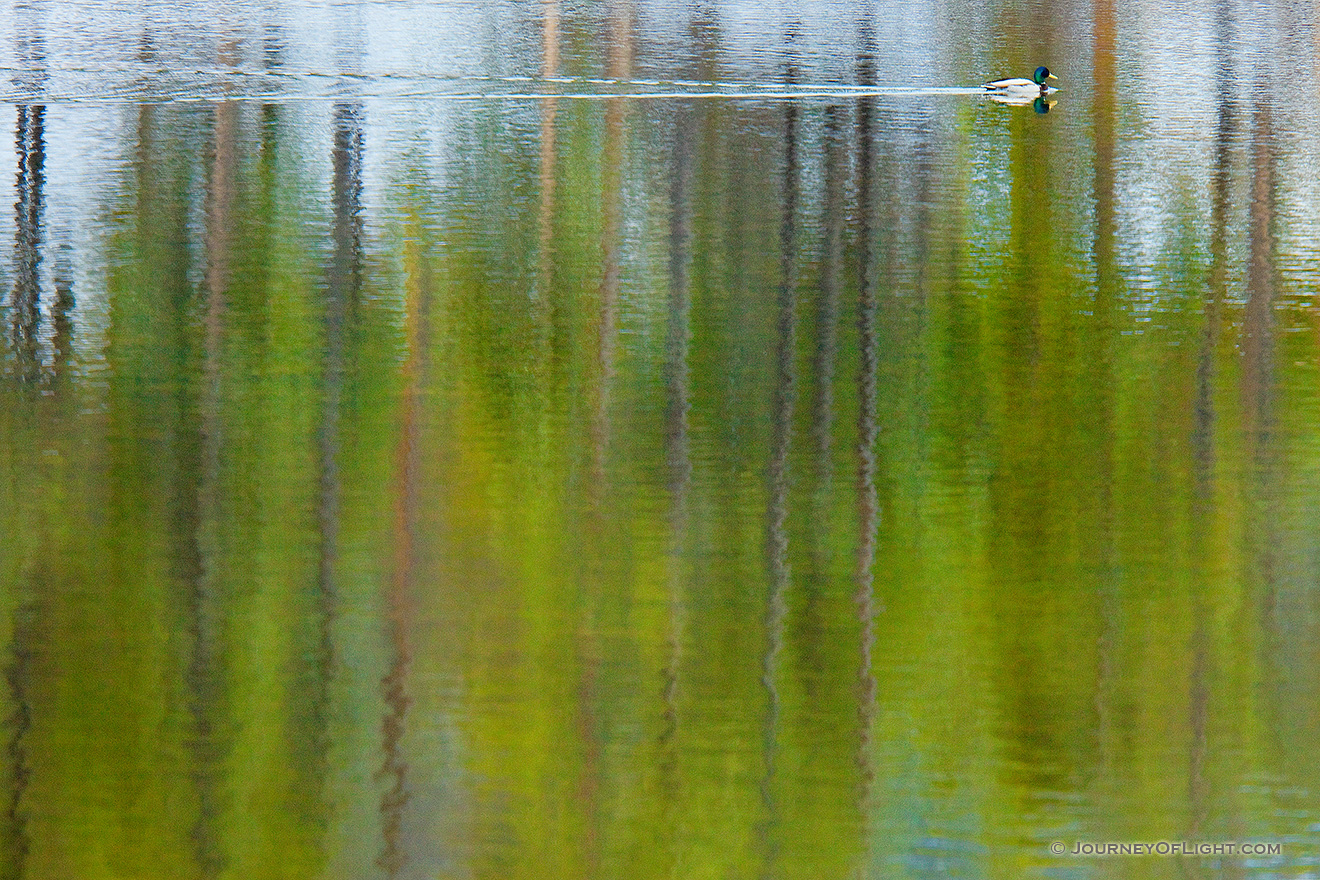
x: 1040, y: 103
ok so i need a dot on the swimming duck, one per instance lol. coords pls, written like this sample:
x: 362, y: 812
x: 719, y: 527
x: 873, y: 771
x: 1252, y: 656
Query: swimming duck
x: 1025, y: 89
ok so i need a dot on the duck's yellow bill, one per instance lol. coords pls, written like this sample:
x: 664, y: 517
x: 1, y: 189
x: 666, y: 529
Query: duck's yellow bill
x: 1050, y: 76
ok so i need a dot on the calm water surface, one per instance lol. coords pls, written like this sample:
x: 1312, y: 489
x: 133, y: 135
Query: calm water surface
x: 586, y: 440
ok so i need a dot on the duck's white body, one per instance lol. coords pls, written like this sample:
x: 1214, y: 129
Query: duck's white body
x: 1014, y: 84
x: 1017, y: 88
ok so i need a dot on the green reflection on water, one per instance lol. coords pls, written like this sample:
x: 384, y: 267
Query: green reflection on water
x: 673, y: 489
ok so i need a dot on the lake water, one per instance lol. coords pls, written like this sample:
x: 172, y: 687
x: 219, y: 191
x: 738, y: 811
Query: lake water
x: 586, y: 440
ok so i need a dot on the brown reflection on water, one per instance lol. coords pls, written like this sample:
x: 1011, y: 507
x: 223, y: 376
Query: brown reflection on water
x: 678, y: 337
x: 401, y: 597
x: 18, y: 666
x: 1258, y: 320
x: 401, y: 601
x: 1269, y: 590
x: 782, y: 405
x: 342, y: 290
x: 205, y: 606
x: 1204, y: 668
x: 1099, y: 337
x: 548, y: 173
x: 62, y: 320
x: 607, y: 329
x: 599, y: 529
x: 868, y: 507
x: 825, y: 353
x: 25, y: 297
x: 15, y: 842
x: 1259, y: 378
x: 30, y: 144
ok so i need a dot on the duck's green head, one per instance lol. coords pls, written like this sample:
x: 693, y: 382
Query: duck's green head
x: 1042, y: 74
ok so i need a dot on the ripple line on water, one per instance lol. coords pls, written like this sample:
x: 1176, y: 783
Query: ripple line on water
x: 155, y: 85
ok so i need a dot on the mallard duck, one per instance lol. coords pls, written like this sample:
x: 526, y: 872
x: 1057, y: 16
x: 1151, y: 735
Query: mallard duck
x: 1019, y: 88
